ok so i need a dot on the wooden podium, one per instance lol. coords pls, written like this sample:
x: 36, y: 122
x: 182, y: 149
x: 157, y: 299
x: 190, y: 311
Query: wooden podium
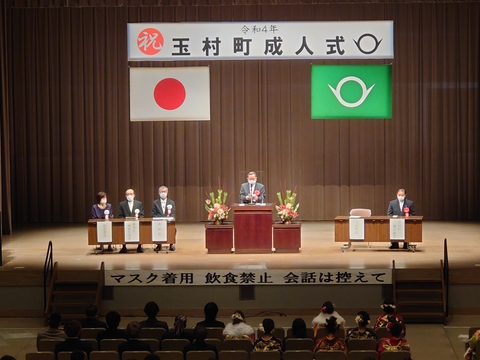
x: 118, y: 231
x: 219, y: 238
x: 287, y: 237
x: 252, y: 228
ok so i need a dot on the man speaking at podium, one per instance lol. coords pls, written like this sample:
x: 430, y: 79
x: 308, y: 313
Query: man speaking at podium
x: 401, y: 206
x: 252, y: 192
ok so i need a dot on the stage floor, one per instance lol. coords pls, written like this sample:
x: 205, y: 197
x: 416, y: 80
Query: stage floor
x: 26, y: 250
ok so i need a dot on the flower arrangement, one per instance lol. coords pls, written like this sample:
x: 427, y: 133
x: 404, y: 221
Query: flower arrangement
x: 287, y: 210
x: 215, y: 206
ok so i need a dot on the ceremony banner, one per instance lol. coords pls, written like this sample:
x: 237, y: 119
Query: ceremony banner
x: 260, y: 40
x: 287, y: 277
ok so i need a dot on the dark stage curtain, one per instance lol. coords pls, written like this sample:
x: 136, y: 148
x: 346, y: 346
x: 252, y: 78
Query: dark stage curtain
x: 71, y: 137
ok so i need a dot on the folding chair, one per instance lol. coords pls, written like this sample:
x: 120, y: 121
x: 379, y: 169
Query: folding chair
x: 235, y: 355
x: 169, y: 355
x: 174, y: 344
x: 265, y: 355
x: 111, y: 344
x: 362, y: 344
x: 237, y: 344
x: 395, y: 355
x: 330, y: 355
x: 361, y: 355
x: 299, y: 344
x: 152, y: 333
x: 104, y: 355
x: 200, y: 355
x: 44, y: 355
x: 134, y: 355
x: 298, y: 355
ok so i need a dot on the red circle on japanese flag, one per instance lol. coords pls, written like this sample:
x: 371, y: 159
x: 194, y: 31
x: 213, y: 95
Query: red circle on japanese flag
x: 150, y: 41
x: 169, y: 94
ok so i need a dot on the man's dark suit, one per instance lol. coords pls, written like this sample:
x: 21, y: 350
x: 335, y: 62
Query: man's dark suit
x: 72, y: 344
x: 124, y: 209
x: 245, y: 190
x: 157, y: 208
x: 394, y: 209
x: 133, y: 345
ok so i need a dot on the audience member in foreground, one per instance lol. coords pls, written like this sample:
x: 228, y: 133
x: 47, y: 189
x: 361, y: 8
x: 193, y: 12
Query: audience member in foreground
x: 72, y: 342
x: 113, y: 321
x: 91, y: 311
x: 151, y: 310
x: 327, y: 311
x: 267, y: 342
x: 238, y: 329
x: 394, y: 342
x: 211, y: 311
x: 52, y: 332
x: 178, y: 331
x: 199, y: 344
x: 133, y: 344
x: 389, y: 316
x: 361, y: 331
x: 330, y: 341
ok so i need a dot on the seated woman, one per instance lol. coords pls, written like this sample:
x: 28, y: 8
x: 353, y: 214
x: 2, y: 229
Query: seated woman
x: 178, y: 331
x: 472, y: 344
x: 394, y: 342
x: 267, y: 342
x: 389, y: 316
x: 330, y: 341
x: 361, y: 331
x: 328, y: 310
x: 100, y: 210
x: 238, y: 329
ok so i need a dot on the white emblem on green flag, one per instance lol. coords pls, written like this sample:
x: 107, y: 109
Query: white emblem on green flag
x: 351, y: 91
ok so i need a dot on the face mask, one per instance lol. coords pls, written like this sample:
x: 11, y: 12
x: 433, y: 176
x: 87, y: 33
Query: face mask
x: 163, y: 195
x: 252, y: 182
x: 129, y: 197
x: 103, y: 201
x: 401, y: 198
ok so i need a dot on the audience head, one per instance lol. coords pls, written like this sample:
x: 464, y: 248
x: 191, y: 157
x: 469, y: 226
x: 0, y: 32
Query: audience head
x: 200, y: 333
x: 237, y: 317
x: 180, y: 324
x: 77, y: 355
x: 210, y: 310
x: 328, y: 307
x: 388, y: 306
x: 72, y: 328
x: 91, y: 310
x: 268, y: 325
x: 331, y: 325
x: 7, y: 357
x: 151, y: 309
x: 362, y: 318
x: 54, y: 320
x: 299, y: 328
x: 133, y: 329
x: 395, y: 329
x: 113, y: 319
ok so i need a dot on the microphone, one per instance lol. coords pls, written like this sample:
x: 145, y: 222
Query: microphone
x: 106, y: 213
x: 136, y: 213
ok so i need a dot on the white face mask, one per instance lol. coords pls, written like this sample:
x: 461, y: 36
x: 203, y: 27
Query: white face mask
x: 163, y: 195
x: 103, y: 201
x: 129, y: 198
x: 252, y: 182
x: 401, y: 198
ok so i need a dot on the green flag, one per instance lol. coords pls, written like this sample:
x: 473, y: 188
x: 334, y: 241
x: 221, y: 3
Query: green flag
x: 351, y: 92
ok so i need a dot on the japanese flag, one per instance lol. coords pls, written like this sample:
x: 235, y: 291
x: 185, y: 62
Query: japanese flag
x: 163, y: 94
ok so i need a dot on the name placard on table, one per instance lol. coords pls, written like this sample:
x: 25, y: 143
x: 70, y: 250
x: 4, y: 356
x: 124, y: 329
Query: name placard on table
x: 159, y: 230
x: 357, y: 228
x: 132, y: 231
x: 397, y: 229
x: 104, y: 232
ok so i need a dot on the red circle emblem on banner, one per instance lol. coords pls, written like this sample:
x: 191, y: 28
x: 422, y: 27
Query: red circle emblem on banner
x: 169, y: 94
x: 150, y: 41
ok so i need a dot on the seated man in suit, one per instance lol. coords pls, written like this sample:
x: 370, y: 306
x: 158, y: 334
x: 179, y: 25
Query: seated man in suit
x: 252, y: 191
x: 400, y: 206
x: 128, y: 208
x: 211, y: 310
x: 91, y: 321
x: 113, y: 332
x: 163, y: 207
